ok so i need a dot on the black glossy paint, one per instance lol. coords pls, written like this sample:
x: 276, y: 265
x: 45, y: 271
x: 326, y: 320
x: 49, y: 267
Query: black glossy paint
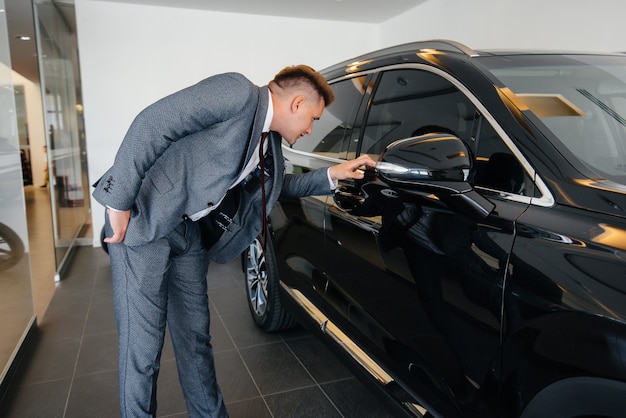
x: 473, y: 315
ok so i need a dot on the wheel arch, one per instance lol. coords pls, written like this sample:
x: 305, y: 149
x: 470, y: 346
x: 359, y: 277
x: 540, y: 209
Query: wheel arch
x: 559, y: 354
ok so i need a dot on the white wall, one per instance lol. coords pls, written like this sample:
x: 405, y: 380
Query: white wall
x: 577, y: 25
x: 132, y: 55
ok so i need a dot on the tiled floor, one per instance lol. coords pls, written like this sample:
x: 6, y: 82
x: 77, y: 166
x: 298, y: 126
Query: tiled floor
x: 71, y: 370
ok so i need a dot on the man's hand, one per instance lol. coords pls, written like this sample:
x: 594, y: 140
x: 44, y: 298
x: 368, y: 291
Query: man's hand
x: 119, y: 222
x: 351, y: 169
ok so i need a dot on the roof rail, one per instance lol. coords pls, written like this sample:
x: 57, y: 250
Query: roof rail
x: 440, y: 44
x: 457, y: 46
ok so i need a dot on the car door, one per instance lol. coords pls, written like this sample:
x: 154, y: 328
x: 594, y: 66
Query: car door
x: 419, y: 284
x: 298, y: 224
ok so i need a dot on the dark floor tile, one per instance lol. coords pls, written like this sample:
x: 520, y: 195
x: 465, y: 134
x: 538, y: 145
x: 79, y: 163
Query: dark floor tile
x: 63, y: 322
x: 49, y: 360
x: 77, y: 300
x: 275, y: 369
x: 233, y: 377
x: 68, y: 294
x: 100, y: 318
x: 251, y: 408
x: 229, y: 301
x: 304, y: 403
x: 40, y: 400
x: 104, y: 280
x: 98, y: 353
x: 86, y: 257
x: 323, y: 365
x: 354, y: 400
x: 244, y: 331
x: 103, y: 277
x: 102, y: 296
x: 77, y: 278
x: 225, y: 276
x: 294, y: 333
x: 94, y: 396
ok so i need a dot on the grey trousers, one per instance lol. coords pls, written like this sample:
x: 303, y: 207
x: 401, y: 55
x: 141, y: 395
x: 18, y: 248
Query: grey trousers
x: 163, y: 282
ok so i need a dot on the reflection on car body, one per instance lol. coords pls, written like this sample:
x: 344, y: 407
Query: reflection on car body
x: 480, y: 270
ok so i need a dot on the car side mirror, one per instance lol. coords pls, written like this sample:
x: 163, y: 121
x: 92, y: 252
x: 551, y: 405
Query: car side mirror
x: 431, y: 157
x: 436, y: 163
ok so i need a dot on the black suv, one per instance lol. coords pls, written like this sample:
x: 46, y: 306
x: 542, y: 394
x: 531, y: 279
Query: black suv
x: 480, y: 270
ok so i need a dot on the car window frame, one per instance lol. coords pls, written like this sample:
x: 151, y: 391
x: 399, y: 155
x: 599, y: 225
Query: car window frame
x: 545, y: 199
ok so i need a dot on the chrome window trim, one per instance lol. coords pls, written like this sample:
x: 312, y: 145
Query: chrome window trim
x: 545, y: 200
x: 290, y: 150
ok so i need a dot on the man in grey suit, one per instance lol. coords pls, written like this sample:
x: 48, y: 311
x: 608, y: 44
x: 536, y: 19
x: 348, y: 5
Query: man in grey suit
x: 179, y: 158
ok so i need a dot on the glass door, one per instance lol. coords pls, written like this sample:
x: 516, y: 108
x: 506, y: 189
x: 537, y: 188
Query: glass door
x: 60, y: 82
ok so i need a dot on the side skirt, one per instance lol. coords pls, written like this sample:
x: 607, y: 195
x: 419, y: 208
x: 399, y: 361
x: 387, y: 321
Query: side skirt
x: 349, y: 346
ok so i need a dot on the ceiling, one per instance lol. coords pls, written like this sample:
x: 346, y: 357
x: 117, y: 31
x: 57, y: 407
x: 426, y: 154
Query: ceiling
x: 369, y: 11
x: 20, y: 17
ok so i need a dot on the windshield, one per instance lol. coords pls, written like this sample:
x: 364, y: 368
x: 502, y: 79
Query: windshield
x: 581, y: 99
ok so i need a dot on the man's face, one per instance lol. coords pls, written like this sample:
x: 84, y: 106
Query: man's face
x: 302, y: 118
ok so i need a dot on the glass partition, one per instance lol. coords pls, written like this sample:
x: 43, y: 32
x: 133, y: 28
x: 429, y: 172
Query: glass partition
x: 67, y: 170
x: 16, y: 303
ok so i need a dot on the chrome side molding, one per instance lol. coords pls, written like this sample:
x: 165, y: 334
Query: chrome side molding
x: 330, y: 329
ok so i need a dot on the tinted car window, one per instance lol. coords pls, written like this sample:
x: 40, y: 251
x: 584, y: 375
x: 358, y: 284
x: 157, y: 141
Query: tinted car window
x: 406, y: 101
x: 495, y: 167
x: 412, y: 102
x: 581, y: 99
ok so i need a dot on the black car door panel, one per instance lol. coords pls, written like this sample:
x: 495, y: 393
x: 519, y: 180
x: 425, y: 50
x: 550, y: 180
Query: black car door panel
x: 421, y: 283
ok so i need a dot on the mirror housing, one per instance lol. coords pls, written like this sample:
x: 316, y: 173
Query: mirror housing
x: 431, y: 157
x: 436, y: 163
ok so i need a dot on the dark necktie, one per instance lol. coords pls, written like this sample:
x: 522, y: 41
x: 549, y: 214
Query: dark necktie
x: 263, y: 208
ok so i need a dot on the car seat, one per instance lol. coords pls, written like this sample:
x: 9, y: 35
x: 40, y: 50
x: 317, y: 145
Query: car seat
x: 501, y: 172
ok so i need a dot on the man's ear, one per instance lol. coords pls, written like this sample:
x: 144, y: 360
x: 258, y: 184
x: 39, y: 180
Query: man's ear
x: 297, y: 102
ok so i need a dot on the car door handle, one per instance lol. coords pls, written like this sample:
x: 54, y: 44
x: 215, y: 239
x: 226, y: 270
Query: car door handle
x: 347, y: 198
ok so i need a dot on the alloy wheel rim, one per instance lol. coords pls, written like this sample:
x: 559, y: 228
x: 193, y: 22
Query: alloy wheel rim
x: 256, y: 278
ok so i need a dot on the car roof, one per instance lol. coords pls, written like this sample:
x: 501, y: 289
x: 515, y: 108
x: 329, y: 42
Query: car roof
x: 407, y: 53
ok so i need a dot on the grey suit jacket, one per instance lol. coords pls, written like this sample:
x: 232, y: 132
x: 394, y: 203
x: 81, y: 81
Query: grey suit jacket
x: 182, y: 153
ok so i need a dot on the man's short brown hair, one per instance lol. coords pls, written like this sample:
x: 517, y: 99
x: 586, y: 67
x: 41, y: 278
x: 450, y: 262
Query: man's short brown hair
x: 297, y: 74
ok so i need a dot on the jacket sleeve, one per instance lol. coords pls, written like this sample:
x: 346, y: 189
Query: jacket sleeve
x: 313, y: 183
x: 157, y: 127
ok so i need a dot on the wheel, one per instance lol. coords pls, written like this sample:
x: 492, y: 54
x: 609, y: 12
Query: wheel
x: 11, y: 247
x: 262, y: 290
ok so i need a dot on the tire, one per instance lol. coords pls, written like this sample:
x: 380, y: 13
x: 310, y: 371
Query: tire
x: 579, y: 397
x: 11, y: 247
x: 262, y: 290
